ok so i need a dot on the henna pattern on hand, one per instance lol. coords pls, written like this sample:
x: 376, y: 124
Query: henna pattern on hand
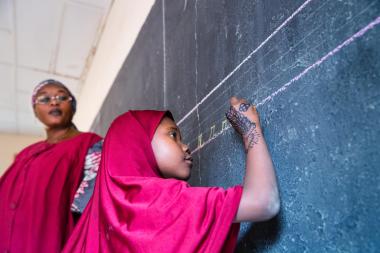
x: 243, y: 107
x: 243, y: 125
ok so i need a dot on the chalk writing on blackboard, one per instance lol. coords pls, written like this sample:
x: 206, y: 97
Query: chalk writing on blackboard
x: 284, y: 87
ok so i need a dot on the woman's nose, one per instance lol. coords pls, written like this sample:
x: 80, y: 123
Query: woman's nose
x: 54, y: 101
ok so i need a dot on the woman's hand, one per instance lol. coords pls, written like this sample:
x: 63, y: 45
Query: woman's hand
x: 246, y: 121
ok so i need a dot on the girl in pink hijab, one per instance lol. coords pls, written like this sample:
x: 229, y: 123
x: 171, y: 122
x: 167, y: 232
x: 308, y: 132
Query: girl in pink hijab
x: 141, y: 202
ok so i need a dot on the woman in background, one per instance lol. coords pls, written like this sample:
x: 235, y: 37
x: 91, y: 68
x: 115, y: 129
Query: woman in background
x: 38, y: 189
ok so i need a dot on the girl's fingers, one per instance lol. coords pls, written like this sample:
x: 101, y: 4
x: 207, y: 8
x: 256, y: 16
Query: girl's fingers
x: 240, y: 104
x: 241, y: 113
x: 234, y: 101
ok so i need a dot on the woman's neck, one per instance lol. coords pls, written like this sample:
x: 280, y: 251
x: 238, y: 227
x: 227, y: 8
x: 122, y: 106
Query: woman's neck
x: 55, y: 135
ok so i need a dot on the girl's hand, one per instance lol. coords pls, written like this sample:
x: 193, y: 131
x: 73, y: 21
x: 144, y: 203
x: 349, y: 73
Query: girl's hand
x: 245, y: 119
x: 260, y: 200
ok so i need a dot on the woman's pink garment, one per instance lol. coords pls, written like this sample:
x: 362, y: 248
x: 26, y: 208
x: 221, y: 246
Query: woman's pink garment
x: 36, y: 193
x: 133, y: 209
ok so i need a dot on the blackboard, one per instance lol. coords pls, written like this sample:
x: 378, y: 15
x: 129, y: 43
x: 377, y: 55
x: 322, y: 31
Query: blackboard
x: 313, y: 70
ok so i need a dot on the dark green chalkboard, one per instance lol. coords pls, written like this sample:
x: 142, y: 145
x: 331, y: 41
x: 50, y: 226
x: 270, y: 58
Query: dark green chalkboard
x: 312, y: 68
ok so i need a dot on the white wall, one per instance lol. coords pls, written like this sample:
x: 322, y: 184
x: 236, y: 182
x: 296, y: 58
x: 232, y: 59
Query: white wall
x: 124, y: 22
x: 10, y: 145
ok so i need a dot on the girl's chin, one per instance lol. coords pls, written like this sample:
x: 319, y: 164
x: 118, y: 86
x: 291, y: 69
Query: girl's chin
x: 186, y: 175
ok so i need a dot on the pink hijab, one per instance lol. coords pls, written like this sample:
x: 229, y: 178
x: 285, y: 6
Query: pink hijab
x: 134, y: 209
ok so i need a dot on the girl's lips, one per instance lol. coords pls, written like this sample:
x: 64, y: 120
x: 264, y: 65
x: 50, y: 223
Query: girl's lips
x: 189, y: 162
x: 189, y: 159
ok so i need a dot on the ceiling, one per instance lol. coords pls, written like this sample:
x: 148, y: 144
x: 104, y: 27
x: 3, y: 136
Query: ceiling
x: 42, y: 39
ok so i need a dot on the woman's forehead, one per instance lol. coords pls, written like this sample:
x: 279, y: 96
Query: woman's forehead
x: 52, y: 88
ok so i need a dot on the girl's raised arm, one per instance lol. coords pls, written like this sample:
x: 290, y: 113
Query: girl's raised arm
x: 260, y: 197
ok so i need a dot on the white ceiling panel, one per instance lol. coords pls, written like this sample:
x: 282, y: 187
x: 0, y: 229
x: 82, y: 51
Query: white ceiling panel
x: 6, y: 47
x: 29, y: 78
x: 37, y: 31
x: 82, y: 23
x: 6, y: 13
x: 7, y: 88
x: 7, y: 121
x: 39, y: 40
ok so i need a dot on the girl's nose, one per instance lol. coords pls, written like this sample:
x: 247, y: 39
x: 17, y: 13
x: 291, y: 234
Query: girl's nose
x: 185, y: 148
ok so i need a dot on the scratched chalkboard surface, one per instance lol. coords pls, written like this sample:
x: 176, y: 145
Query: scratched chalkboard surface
x: 313, y: 70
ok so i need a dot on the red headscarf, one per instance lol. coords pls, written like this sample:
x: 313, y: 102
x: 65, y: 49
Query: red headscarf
x: 134, y: 209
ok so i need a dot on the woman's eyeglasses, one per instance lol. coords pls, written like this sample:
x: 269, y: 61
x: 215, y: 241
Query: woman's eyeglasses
x: 44, y: 99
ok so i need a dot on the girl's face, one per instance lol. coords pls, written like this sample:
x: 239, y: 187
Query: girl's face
x: 53, y: 113
x: 172, y: 156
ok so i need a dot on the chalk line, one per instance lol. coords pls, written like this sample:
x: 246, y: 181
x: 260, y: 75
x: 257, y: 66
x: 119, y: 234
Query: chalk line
x: 347, y: 42
x: 246, y: 59
x: 215, y: 110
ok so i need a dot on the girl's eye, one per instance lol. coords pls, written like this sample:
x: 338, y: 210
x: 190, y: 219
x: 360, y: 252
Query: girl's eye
x: 173, y: 134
